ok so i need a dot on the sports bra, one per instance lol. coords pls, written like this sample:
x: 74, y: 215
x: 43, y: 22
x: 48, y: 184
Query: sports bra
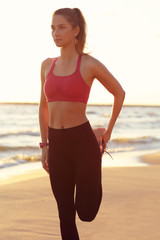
x: 70, y: 88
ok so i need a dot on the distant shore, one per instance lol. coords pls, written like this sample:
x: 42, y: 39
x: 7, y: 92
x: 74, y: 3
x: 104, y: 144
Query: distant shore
x: 149, y: 159
x: 90, y: 104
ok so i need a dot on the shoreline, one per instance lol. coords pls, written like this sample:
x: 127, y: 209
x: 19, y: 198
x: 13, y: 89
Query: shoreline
x: 23, y: 173
x: 151, y: 158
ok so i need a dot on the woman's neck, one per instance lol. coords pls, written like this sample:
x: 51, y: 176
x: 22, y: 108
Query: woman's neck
x: 69, y: 53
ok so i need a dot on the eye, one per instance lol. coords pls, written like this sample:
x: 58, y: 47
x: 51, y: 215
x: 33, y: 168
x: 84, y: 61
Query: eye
x: 52, y: 27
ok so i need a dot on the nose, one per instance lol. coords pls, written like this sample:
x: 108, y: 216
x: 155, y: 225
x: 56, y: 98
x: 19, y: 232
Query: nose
x: 55, y: 32
x: 55, y: 35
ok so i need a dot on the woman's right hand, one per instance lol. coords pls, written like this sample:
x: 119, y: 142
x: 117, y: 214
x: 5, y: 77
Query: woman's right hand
x: 44, y: 158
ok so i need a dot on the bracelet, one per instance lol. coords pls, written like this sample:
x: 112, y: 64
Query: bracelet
x: 43, y: 144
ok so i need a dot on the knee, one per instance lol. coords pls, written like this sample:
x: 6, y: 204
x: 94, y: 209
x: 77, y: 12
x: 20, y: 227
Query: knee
x: 86, y: 217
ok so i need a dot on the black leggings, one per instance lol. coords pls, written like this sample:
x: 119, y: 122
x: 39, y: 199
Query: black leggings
x: 74, y: 159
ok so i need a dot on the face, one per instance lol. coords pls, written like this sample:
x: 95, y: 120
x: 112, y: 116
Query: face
x: 62, y: 31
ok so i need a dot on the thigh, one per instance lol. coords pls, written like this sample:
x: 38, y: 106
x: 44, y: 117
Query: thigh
x: 88, y: 164
x: 61, y: 168
x: 88, y: 178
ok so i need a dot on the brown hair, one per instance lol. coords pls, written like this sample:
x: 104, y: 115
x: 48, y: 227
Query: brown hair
x: 75, y: 17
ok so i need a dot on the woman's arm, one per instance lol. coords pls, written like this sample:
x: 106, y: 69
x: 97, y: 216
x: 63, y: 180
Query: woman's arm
x: 101, y: 73
x: 43, y: 109
x: 43, y: 119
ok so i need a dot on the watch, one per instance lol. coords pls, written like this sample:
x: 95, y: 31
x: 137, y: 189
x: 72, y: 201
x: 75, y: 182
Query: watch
x: 42, y: 144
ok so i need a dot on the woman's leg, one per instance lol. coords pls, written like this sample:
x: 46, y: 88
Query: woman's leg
x: 88, y: 175
x: 61, y: 168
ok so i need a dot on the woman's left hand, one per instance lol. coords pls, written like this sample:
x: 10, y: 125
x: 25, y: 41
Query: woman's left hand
x: 99, y: 135
x: 103, y: 136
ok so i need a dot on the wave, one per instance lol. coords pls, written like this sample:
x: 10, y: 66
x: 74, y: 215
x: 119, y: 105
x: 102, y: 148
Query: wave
x: 133, y: 144
x: 27, y: 158
x: 7, y: 148
x: 121, y: 149
x: 19, y: 133
x: 91, y: 112
x: 18, y: 159
x: 117, y: 143
x: 138, y: 140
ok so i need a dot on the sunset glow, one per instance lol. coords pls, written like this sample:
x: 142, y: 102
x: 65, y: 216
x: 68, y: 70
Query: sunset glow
x: 123, y: 35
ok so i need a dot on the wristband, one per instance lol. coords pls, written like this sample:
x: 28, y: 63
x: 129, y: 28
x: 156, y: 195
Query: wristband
x: 43, y: 144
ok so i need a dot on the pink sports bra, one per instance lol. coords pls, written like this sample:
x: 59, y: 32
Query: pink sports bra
x: 70, y: 88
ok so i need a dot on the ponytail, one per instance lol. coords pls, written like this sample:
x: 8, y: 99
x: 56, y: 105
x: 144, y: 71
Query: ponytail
x: 75, y: 17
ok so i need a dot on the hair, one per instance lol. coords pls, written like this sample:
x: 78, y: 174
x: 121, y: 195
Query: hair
x: 75, y: 17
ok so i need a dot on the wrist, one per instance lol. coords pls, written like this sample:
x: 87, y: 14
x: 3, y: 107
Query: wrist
x: 44, y: 149
x: 108, y: 130
x: 43, y: 144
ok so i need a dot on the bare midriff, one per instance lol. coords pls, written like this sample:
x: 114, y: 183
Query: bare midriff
x: 64, y: 114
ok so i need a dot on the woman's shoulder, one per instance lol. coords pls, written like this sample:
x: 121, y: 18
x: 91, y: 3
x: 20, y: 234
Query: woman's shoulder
x: 90, y: 60
x: 48, y: 61
x: 91, y: 63
x: 46, y: 66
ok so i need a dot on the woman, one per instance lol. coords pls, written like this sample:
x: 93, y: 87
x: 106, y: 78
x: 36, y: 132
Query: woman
x: 73, y: 155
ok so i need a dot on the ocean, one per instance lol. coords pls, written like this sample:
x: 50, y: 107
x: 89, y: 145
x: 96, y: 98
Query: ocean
x: 137, y: 132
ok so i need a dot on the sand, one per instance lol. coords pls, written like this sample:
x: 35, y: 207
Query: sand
x: 130, y: 208
x: 153, y: 158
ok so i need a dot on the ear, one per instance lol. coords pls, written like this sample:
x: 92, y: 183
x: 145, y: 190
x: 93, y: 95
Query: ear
x: 76, y: 31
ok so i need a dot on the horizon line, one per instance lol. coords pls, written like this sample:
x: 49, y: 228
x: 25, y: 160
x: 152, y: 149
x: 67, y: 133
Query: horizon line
x: 90, y: 104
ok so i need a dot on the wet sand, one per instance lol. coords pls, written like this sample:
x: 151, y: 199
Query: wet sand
x: 153, y: 158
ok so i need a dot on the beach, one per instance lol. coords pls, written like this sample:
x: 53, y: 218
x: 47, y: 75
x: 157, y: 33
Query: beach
x: 130, y: 208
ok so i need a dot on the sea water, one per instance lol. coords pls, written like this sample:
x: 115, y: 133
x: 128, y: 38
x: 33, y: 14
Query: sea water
x: 136, y: 132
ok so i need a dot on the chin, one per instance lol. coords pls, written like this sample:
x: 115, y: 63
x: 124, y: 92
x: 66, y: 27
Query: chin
x: 59, y: 44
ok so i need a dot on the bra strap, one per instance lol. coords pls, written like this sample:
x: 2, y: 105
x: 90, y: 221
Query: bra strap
x: 78, y: 63
x: 51, y: 69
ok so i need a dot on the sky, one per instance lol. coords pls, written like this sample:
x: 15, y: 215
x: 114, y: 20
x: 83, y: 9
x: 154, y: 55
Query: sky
x: 123, y: 34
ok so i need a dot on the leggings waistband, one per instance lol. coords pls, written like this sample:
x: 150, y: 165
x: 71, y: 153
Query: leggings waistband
x: 70, y: 129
